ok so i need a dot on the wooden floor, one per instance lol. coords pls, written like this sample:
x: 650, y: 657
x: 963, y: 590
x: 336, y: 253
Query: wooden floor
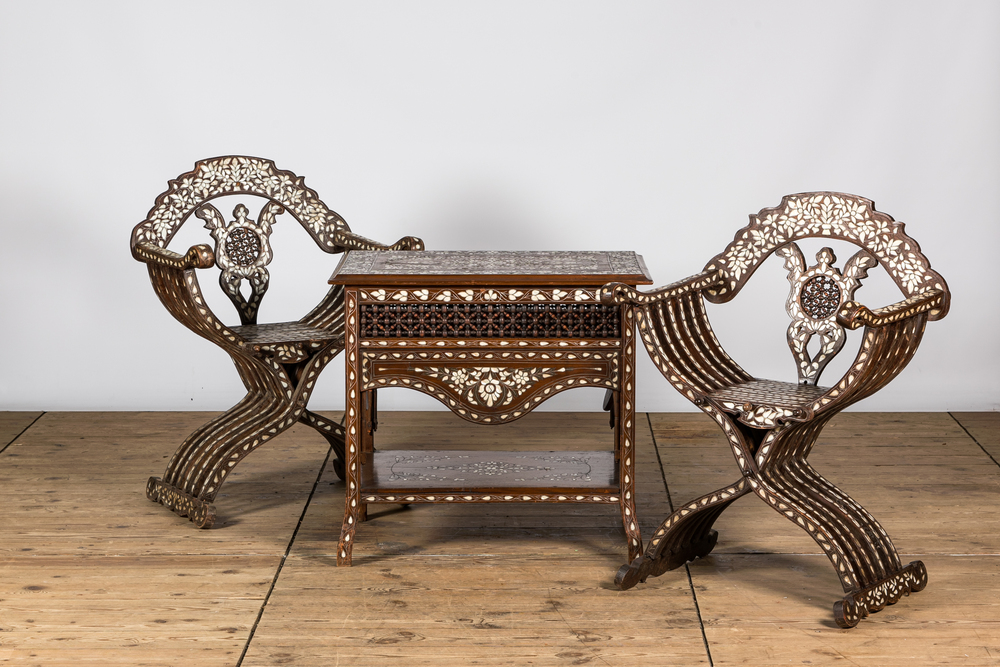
x: 93, y: 573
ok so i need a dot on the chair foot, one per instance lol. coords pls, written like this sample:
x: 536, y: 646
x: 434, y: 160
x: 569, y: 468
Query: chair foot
x: 201, y: 513
x: 856, y: 606
x: 669, y: 559
x: 683, y: 536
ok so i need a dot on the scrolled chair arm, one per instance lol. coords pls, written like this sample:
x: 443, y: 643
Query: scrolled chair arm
x: 197, y: 257
x: 853, y: 315
x: 619, y: 293
x: 408, y: 243
x: 352, y: 241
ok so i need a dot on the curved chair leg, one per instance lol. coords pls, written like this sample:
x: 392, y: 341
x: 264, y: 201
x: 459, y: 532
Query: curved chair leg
x: 199, y: 467
x: 865, y: 541
x: 273, y: 403
x: 684, y: 535
x: 856, y: 544
x: 874, y: 532
x: 334, y: 434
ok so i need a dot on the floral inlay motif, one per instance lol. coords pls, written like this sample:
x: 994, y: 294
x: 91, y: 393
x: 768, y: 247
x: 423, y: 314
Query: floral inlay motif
x: 488, y: 385
x: 832, y: 215
x: 238, y: 175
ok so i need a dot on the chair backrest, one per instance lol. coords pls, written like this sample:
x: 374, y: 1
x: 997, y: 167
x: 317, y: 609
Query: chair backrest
x: 818, y: 291
x: 242, y: 248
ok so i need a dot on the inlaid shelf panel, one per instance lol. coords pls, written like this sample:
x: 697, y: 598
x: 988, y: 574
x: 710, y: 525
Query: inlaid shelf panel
x: 488, y: 476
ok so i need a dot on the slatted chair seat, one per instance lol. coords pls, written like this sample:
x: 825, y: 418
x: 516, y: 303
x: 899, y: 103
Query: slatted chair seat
x: 290, y: 342
x: 768, y: 400
x: 772, y: 426
x: 278, y: 362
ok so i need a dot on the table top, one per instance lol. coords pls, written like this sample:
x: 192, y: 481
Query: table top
x: 491, y: 267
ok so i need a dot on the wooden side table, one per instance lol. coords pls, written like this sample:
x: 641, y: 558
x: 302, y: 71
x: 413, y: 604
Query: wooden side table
x: 491, y: 335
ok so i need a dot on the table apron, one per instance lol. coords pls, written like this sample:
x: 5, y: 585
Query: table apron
x: 491, y: 390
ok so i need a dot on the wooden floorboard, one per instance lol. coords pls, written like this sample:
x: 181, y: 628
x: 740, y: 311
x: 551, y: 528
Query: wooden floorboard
x: 13, y: 424
x: 508, y: 584
x: 775, y: 609
x: 984, y: 427
x: 766, y: 592
x: 92, y: 572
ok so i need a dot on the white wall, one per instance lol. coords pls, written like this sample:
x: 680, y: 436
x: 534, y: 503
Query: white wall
x: 651, y: 126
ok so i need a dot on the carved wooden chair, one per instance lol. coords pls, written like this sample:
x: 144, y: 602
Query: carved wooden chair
x: 772, y: 426
x: 279, y: 363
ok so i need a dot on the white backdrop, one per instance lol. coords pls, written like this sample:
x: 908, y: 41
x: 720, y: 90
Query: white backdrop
x: 647, y: 126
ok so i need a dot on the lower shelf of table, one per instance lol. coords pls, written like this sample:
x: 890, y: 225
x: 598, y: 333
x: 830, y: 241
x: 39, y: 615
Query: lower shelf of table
x: 415, y: 476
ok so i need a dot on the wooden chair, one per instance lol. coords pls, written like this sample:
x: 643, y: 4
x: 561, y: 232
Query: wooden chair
x: 772, y: 426
x: 279, y: 363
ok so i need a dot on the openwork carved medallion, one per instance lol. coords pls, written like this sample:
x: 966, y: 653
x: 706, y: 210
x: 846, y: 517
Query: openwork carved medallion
x: 820, y: 297
x: 814, y: 299
x: 242, y: 250
x: 243, y: 246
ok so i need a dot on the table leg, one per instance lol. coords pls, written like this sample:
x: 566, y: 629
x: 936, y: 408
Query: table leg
x: 369, y: 423
x: 353, y: 428
x: 625, y: 436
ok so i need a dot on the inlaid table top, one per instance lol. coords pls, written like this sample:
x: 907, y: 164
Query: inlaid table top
x: 494, y: 267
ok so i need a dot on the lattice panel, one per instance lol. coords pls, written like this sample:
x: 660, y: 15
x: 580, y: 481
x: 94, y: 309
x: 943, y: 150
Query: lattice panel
x: 478, y: 320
